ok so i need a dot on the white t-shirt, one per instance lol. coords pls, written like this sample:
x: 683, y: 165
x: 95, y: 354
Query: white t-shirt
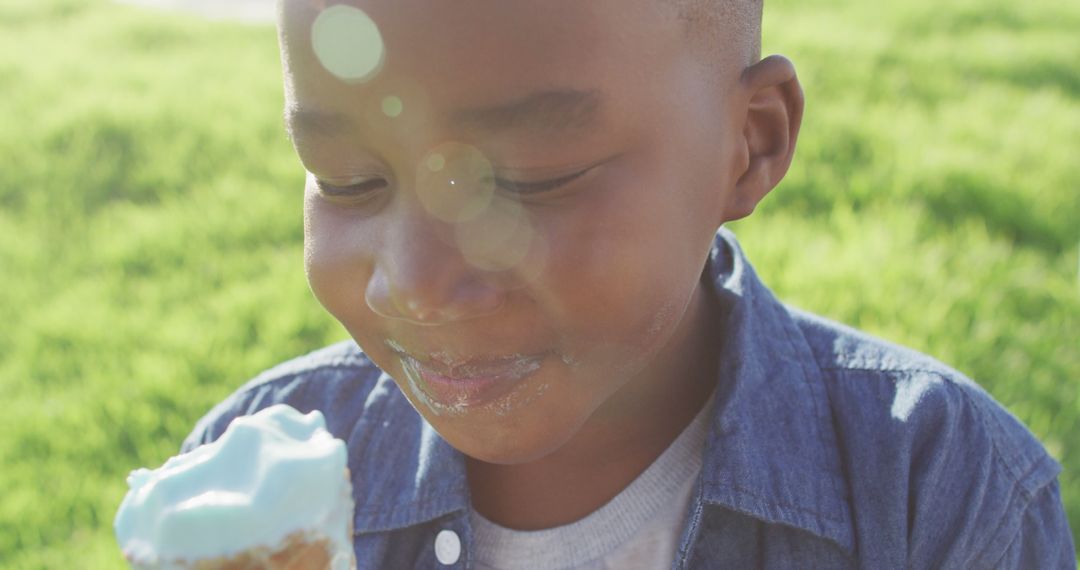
x: 638, y: 529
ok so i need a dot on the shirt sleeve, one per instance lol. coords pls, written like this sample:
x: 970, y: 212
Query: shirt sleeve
x: 1044, y: 539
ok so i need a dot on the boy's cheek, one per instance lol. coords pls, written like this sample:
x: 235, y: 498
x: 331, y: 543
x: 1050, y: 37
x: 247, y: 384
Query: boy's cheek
x: 337, y: 275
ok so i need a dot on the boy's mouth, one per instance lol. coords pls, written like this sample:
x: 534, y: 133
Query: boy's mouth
x: 455, y: 384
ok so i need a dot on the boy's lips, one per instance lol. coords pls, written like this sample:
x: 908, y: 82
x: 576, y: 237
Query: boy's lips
x: 467, y: 382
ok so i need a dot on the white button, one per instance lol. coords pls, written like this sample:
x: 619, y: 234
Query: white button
x: 447, y: 547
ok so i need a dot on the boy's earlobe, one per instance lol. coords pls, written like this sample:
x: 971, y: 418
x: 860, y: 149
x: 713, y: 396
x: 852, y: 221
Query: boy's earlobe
x: 774, y: 110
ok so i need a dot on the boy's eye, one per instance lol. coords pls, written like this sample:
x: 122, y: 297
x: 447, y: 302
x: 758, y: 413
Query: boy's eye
x: 364, y: 187
x: 354, y: 190
x: 538, y: 186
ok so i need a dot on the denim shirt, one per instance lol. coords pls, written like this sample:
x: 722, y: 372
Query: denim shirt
x: 827, y: 448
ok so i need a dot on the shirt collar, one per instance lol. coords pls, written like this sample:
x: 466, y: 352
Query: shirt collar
x: 771, y: 451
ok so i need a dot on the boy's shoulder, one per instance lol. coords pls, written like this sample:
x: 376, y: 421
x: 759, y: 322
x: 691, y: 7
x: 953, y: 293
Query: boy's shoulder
x: 952, y: 471
x: 339, y: 380
x: 866, y: 399
x: 914, y: 391
x: 897, y: 458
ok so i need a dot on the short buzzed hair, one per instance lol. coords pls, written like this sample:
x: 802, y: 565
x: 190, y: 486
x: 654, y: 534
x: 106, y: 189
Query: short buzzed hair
x: 725, y: 29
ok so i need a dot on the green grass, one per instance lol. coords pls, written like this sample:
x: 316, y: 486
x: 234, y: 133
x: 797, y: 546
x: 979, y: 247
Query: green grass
x: 150, y: 229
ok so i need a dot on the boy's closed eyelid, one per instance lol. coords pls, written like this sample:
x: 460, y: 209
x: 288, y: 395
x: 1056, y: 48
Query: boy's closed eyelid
x: 355, y: 187
x: 521, y: 180
x: 361, y: 186
x: 538, y: 186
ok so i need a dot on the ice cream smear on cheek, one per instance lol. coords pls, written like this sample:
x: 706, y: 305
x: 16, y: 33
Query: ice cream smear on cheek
x: 272, y: 478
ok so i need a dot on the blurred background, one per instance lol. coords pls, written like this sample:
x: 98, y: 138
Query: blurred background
x: 151, y: 231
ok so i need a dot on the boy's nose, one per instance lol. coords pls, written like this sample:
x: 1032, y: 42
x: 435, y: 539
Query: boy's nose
x: 421, y: 276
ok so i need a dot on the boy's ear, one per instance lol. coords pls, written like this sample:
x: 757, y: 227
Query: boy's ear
x: 774, y: 109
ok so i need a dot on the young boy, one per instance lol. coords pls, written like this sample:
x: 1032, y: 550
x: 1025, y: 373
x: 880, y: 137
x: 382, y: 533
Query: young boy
x: 513, y: 208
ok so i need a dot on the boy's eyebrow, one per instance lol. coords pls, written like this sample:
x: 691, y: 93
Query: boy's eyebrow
x: 307, y: 122
x: 549, y: 111
x: 542, y: 111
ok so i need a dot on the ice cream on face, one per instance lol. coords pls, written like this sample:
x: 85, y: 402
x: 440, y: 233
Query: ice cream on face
x: 268, y: 477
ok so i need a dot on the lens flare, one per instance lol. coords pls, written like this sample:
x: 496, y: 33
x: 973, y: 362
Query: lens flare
x: 347, y: 43
x: 500, y: 238
x: 455, y: 182
x: 435, y: 162
x: 531, y: 268
x: 392, y: 106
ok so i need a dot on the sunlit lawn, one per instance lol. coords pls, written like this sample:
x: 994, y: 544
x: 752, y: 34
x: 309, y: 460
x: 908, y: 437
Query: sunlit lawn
x: 150, y: 230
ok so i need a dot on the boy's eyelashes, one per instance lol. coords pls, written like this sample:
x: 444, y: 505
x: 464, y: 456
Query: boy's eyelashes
x: 363, y: 187
x: 354, y: 189
x: 539, y: 186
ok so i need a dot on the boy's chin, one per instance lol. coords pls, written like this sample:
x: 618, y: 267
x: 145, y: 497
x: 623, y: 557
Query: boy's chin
x: 508, y: 448
x: 507, y: 457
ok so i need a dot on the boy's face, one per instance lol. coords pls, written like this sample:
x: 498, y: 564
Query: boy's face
x: 529, y: 192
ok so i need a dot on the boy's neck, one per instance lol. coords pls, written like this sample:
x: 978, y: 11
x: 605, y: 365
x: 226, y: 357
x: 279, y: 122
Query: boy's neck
x: 602, y: 460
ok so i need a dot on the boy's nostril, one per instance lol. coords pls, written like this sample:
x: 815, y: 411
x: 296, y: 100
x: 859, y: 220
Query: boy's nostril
x: 429, y: 302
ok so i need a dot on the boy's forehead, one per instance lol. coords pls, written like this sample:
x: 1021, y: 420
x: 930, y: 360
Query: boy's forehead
x: 478, y: 53
x: 475, y: 21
